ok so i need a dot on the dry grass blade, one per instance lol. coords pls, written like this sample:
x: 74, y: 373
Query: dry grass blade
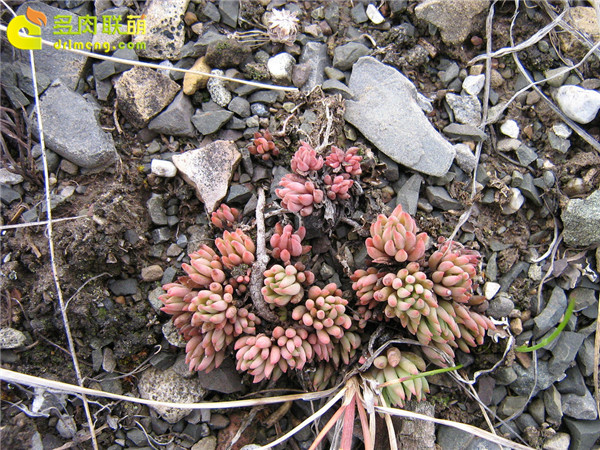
x: 41, y: 222
x: 461, y: 426
x: 10, y: 376
x: 597, y: 359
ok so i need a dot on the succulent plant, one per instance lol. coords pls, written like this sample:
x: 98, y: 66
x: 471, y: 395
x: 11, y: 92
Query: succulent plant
x: 298, y: 194
x: 454, y: 268
x: 344, y: 161
x: 396, y: 365
x: 287, y: 244
x: 225, y: 217
x: 205, y: 267
x: 201, y: 354
x: 176, y: 298
x: 306, y: 160
x: 268, y: 358
x: 473, y: 327
x: 240, y: 278
x: 263, y: 145
x: 409, y: 296
x: 322, y: 376
x: 395, y: 238
x: 283, y: 285
x: 236, y: 248
x: 325, y: 311
x: 345, y: 348
x: 282, y: 26
x: 338, y: 186
x: 362, y: 315
x: 366, y: 284
x: 214, y: 305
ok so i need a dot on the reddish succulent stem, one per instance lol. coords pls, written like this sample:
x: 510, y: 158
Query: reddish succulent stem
x: 260, y: 265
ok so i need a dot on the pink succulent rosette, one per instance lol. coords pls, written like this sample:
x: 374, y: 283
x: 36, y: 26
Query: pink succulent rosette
x: 236, y: 248
x: 396, y: 238
x: 298, y: 194
x: 287, y: 243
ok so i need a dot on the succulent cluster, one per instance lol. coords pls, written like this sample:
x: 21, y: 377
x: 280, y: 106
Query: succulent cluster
x: 263, y: 145
x: 317, y: 328
x: 431, y: 297
x: 314, y: 179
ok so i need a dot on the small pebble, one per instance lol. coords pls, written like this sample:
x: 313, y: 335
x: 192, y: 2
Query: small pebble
x: 515, y: 202
x: 152, y: 273
x: 473, y: 84
x: 163, y: 168
x: 490, y: 289
x: 374, y: 15
x: 511, y: 129
x: 516, y: 326
x: 562, y: 130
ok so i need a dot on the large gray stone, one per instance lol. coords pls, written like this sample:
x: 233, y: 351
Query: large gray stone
x: 209, y: 170
x: 210, y: 121
x: 65, y: 115
x: 581, y: 221
x: 176, y: 120
x: 387, y: 113
x: 165, y: 30
x: 168, y: 386
x: 455, y: 19
x: 142, y: 93
x: 525, y: 379
x: 229, y: 10
x: 344, y: 56
x: 315, y: 55
x: 55, y: 63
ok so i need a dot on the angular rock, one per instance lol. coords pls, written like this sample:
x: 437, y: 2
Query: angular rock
x: 142, y: 93
x: 467, y: 132
x: 176, y: 120
x: 525, y: 378
x: 396, y: 125
x: 226, y: 53
x: 240, y: 106
x: 156, y: 209
x: 501, y: 306
x: 344, y: 56
x: 584, y: 433
x: 65, y: 114
x: 456, y: 20
x: 280, y: 67
x: 168, y: 386
x: 560, y: 441
x: 439, y: 198
x: 586, y: 355
x: 408, y: 195
x: 473, y: 84
x: 123, y: 287
x: 580, y: 406
x: 224, y: 379
x: 211, y: 121
x: 573, y: 382
x: 11, y: 338
x: 54, y: 63
x: 209, y: 170
x: 581, y: 221
x: 165, y: 29
x: 229, y: 10
x: 578, y: 103
x: 551, y: 314
x: 564, y: 352
x: 466, y: 108
x: 553, y: 404
x: 8, y: 177
x: 315, y: 55
x: 194, y: 81
x: 337, y: 87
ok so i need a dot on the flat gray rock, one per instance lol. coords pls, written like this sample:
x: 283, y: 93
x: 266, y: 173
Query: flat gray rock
x: 455, y: 19
x: 176, y: 120
x: 551, y: 314
x: 165, y: 30
x: 564, y: 352
x: 581, y: 221
x: 209, y: 170
x: 579, y: 406
x: 584, y: 433
x: 65, y: 114
x: 168, y: 386
x: 315, y: 55
x: 210, y: 121
x: 142, y: 93
x: 55, y: 63
x: 387, y: 113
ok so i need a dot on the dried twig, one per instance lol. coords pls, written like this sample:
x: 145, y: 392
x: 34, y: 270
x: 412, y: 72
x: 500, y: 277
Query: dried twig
x: 260, y: 265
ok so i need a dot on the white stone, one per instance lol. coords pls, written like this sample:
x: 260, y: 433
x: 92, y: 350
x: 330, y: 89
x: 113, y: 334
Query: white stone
x: 560, y: 441
x: 280, y: 67
x: 374, y: 15
x: 562, y: 130
x: 8, y: 177
x: 11, y: 338
x: 163, y: 168
x: 473, y: 84
x: 579, y: 104
x: 465, y: 158
x: 515, y: 202
x: 490, y: 289
x: 511, y: 129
